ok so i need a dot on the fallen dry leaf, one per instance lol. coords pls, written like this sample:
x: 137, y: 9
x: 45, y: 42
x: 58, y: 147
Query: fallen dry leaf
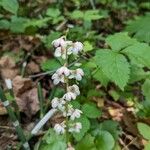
x: 8, y: 67
x: 32, y: 67
x: 20, y: 85
x: 115, y: 113
x: 28, y: 102
x: 2, y: 109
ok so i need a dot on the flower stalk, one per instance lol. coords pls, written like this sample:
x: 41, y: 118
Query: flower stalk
x: 62, y: 75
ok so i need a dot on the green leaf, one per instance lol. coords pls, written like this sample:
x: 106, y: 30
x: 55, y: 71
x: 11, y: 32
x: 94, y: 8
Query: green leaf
x: 101, y: 77
x: 91, y: 111
x: 87, y: 46
x: 114, y: 94
x: 144, y: 130
x: 85, y: 127
x: 147, y: 146
x: 119, y: 41
x: 47, y: 40
x: 139, y: 53
x: 4, y: 24
x: 113, y: 129
x: 140, y: 28
x: 77, y: 14
x: 86, y: 15
x: 114, y: 66
x: 53, y: 141
x: 92, y: 15
x: 138, y: 73
x: 104, y: 141
x: 87, y: 143
x: 51, y: 64
x: 18, y: 24
x: 10, y: 5
x: 146, y: 89
x: 53, y: 12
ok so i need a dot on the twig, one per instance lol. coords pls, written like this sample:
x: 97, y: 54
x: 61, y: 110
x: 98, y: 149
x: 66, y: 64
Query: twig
x: 51, y: 71
x: 14, y: 120
x: 126, y: 147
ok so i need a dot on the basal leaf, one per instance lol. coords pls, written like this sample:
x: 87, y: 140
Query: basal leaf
x: 51, y: 64
x: 91, y: 111
x: 85, y: 127
x: 104, y: 141
x: 114, y: 65
x: 144, y: 130
x: 87, y: 143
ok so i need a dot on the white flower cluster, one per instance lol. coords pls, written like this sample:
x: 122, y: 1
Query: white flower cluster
x: 63, y: 75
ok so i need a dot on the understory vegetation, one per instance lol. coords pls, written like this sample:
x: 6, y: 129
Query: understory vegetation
x: 75, y: 74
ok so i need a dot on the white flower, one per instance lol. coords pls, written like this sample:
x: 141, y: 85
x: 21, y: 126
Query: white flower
x: 59, y: 42
x: 58, y: 103
x: 63, y: 70
x: 55, y: 102
x: 77, y: 74
x: 69, y: 96
x: 59, y: 128
x: 69, y: 112
x: 58, y: 78
x: 76, y: 127
x: 60, y: 52
x: 75, y: 48
x: 74, y: 89
x: 8, y: 83
x: 75, y: 114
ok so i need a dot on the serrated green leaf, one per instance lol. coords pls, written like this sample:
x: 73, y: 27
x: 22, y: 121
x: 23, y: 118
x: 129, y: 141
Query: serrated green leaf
x: 100, y: 76
x: 139, y: 53
x: 146, y: 89
x: 138, y: 73
x: 144, y: 130
x: 85, y: 127
x: 140, y: 28
x: 104, y: 141
x: 119, y: 41
x: 51, y: 64
x: 10, y: 5
x: 91, y: 111
x: 87, y: 143
x: 114, y: 66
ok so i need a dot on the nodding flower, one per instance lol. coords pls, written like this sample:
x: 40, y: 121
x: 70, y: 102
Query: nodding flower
x: 63, y: 74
